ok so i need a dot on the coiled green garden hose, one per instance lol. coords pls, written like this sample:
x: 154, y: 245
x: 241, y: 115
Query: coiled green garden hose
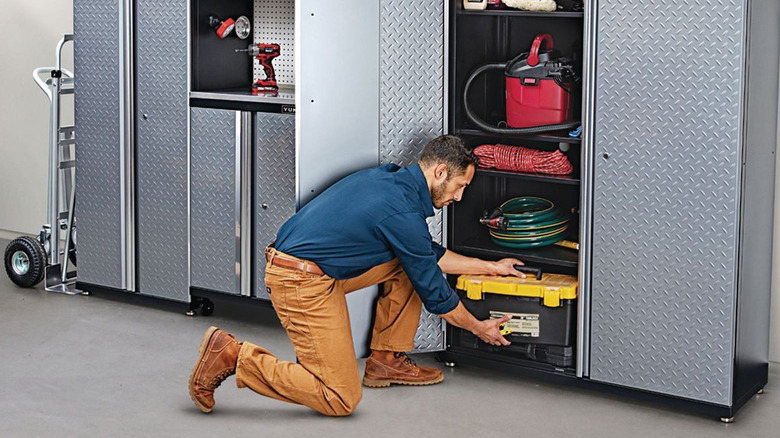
x: 526, y: 222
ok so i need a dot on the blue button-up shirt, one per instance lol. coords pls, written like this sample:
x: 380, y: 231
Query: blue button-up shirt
x: 370, y: 218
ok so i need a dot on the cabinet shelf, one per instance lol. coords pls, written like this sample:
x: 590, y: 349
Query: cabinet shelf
x: 482, y: 246
x: 550, y: 138
x: 518, y: 13
x: 553, y: 179
x: 243, y: 100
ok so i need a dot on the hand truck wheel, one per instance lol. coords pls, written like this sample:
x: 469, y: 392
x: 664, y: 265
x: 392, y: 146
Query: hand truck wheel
x: 25, y: 261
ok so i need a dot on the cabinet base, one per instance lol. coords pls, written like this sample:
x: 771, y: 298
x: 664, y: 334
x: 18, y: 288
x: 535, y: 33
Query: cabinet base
x: 462, y: 356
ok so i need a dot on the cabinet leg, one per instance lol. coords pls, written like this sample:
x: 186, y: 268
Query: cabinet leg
x: 727, y: 420
x: 760, y: 391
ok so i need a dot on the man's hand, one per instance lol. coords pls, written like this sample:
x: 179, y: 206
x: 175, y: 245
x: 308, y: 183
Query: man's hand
x: 454, y: 263
x: 488, y: 330
x: 506, y: 267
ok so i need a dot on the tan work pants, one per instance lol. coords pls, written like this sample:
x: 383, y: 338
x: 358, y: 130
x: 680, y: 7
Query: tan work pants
x: 313, y: 310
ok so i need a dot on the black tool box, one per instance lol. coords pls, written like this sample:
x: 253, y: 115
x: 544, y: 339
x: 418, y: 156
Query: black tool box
x: 544, y: 321
x: 543, y: 311
x: 556, y: 355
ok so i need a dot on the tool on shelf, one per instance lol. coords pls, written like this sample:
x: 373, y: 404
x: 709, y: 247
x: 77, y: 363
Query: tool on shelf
x: 521, y: 159
x: 265, y: 53
x: 571, y: 5
x: 539, y: 88
x: 475, y: 5
x: 532, y: 5
x: 223, y: 28
x: 568, y: 244
x: 243, y: 27
x: 526, y: 222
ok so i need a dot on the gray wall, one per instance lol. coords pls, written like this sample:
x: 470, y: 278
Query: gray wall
x: 27, y: 41
x: 24, y: 125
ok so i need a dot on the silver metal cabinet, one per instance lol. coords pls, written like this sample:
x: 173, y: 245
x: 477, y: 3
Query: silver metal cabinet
x: 97, y: 118
x: 367, y: 126
x: 274, y: 185
x: 337, y: 131
x: 676, y: 259
x: 410, y: 116
x: 680, y: 253
x: 131, y: 109
x: 215, y: 200
x: 162, y: 148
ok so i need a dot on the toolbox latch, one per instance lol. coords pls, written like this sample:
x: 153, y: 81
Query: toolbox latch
x: 474, y: 291
x: 552, y: 298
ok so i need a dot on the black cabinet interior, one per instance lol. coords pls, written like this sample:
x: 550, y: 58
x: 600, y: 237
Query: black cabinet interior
x: 482, y: 37
x: 215, y: 63
x: 488, y: 191
x: 494, y: 38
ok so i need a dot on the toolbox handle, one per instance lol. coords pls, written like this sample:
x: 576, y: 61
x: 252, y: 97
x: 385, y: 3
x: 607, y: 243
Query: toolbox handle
x: 530, y: 270
x: 533, y: 58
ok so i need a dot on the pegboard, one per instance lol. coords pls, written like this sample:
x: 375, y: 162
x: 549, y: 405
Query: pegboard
x: 274, y: 22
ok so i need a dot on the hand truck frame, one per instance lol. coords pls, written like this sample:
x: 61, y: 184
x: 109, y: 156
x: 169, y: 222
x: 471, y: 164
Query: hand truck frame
x: 29, y: 259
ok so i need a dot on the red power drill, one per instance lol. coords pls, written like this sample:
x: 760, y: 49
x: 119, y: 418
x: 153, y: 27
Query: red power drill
x: 264, y: 53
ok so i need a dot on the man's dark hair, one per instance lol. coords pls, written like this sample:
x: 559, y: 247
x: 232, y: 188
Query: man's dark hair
x: 450, y: 150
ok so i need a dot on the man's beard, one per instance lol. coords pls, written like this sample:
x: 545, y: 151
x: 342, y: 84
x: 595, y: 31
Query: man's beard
x: 437, y: 195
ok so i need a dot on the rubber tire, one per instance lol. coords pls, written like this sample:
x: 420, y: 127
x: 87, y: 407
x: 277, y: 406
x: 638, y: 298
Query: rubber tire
x: 72, y: 252
x: 35, y: 253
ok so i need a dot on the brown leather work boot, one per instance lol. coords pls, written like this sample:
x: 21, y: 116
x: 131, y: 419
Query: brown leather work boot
x: 217, y: 360
x: 386, y: 367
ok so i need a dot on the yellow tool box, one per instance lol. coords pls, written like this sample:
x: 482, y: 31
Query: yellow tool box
x: 543, y: 311
x: 552, y: 288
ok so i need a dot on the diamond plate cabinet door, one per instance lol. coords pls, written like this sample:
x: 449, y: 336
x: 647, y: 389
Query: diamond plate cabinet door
x: 274, y: 199
x: 96, y: 60
x: 410, y: 116
x: 161, y: 120
x: 213, y: 203
x: 666, y: 197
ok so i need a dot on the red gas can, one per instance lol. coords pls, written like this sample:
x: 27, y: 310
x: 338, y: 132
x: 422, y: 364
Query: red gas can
x: 535, y: 93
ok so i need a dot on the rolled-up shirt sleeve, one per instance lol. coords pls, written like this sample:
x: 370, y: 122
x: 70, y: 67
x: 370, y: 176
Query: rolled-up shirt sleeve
x: 438, y: 250
x: 407, y: 236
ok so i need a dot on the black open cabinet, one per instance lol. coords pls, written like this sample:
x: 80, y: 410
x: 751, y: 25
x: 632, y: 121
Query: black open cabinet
x: 494, y: 36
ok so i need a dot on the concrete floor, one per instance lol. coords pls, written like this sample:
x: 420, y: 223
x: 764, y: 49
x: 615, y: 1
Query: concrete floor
x: 75, y: 366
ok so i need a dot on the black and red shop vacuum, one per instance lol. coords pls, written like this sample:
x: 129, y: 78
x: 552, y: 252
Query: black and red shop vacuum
x: 540, y: 86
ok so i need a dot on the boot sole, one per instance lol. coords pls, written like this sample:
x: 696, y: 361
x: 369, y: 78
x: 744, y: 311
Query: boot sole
x: 202, y: 349
x: 384, y: 383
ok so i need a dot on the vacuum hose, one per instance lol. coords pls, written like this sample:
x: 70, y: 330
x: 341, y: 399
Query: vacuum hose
x: 504, y: 131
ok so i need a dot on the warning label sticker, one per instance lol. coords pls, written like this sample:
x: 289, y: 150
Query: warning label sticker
x: 521, y: 324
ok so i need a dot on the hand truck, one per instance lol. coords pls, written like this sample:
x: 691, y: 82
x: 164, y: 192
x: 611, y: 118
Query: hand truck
x: 29, y: 259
